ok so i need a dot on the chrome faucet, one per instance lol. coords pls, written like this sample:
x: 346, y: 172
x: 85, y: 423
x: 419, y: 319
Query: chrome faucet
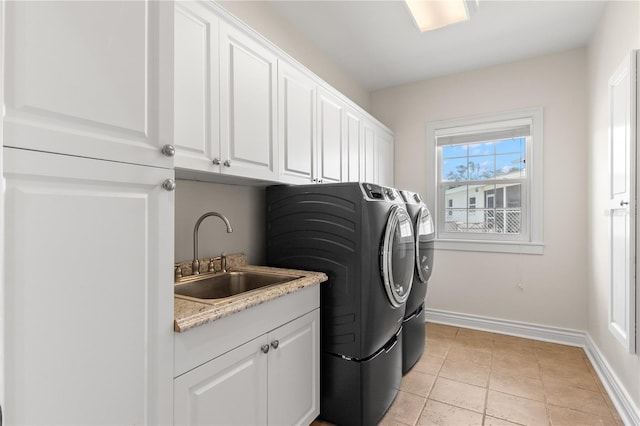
x: 195, y: 266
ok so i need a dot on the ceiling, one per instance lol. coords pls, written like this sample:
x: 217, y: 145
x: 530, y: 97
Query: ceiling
x: 379, y: 45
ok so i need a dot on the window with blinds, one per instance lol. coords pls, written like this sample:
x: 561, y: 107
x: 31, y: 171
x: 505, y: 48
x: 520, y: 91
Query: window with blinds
x: 484, y: 185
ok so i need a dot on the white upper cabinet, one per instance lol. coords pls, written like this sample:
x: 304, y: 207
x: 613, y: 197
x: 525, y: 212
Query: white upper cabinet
x: 312, y: 130
x: 248, y: 106
x: 225, y: 97
x: 90, y: 79
x: 296, y: 124
x: 197, y: 88
x: 331, y: 149
x: 243, y: 109
x: 385, y: 150
x: 354, y: 142
x: 368, y: 154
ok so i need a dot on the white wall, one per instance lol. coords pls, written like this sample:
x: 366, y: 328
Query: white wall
x: 486, y: 285
x: 242, y: 205
x: 261, y: 17
x: 617, y: 34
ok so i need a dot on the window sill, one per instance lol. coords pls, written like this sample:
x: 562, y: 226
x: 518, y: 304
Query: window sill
x: 490, y: 246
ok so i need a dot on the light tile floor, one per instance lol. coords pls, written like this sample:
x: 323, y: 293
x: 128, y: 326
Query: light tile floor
x: 468, y: 377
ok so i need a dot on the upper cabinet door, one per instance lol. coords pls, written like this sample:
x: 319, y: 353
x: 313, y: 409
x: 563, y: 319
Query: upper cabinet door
x: 247, y: 106
x: 368, y: 154
x: 197, y: 88
x: 296, y: 124
x: 384, y: 147
x: 91, y: 79
x: 353, y: 141
x: 331, y: 147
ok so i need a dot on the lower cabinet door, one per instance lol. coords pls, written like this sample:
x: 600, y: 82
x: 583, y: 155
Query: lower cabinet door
x: 88, y: 299
x: 228, y: 390
x: 294, y: 371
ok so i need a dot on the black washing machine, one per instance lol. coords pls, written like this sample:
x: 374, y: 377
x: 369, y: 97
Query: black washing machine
x: 413, y: 332
x: 361, y: 236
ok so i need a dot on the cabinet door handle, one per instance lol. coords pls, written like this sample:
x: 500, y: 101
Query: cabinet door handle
x: 216, y: 161
x: 264, y: 348
x: 169, y: 150
x: 169, y: 184
x: 624, y: 203
x: 275, y: 344
x: 227, y: 163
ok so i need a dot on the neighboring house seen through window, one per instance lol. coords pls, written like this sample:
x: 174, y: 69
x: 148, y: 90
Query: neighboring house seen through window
x: 488, y: 183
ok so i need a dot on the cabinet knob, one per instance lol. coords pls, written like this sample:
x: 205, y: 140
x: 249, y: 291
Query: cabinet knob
x: 216, y: 161
x: 275, y: 344
x: 264, y: 348
x: 169, y: 150
x: 227, y: 163
x: 169, y: 184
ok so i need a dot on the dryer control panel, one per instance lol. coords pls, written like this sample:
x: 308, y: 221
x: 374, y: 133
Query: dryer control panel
x: 381, y: 193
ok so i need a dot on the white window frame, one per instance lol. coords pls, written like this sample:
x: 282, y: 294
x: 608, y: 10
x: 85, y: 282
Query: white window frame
x: 530, y: 241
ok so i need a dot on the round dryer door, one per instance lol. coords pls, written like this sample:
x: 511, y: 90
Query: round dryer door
x: 398, y: 254
x: 424, y: 244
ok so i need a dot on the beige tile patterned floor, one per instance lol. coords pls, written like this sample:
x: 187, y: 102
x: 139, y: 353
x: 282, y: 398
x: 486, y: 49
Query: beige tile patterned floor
x: 468, y: 377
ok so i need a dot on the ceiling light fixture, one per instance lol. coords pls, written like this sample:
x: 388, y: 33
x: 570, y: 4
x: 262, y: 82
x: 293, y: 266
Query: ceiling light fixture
x: 432, y: 14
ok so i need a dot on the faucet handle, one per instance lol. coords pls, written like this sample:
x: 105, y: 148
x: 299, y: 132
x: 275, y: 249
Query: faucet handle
x: 223, y: 261
x: 212, y: 267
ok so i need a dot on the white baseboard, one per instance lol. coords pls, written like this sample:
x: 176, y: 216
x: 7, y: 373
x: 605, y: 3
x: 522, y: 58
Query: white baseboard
x: 619, y: 395
x: 623, y: 402
x: 512, y: 328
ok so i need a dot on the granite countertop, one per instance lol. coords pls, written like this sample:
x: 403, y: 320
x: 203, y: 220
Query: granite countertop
x: 189, y: 313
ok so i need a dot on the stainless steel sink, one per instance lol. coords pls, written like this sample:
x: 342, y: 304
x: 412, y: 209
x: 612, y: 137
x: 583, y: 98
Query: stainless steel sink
x: 229, y: 284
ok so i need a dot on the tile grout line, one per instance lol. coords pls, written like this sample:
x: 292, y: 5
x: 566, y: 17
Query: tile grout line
x: 486, y: 395
x: 544, y: 387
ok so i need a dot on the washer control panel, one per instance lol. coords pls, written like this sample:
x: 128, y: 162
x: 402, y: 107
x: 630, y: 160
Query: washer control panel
x: 380, y: 193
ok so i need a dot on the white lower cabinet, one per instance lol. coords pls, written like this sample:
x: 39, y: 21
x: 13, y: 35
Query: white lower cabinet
x: 228, y: 390
x: 293, y: 371
x: 88, y: 298
x: 272, y: 379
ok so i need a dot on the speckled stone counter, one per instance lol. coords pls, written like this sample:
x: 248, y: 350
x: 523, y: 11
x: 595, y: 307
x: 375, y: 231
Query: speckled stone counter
x: 189, y: 313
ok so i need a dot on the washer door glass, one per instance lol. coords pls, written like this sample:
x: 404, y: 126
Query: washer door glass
x: 424, y: 244
x: 398, y: 256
